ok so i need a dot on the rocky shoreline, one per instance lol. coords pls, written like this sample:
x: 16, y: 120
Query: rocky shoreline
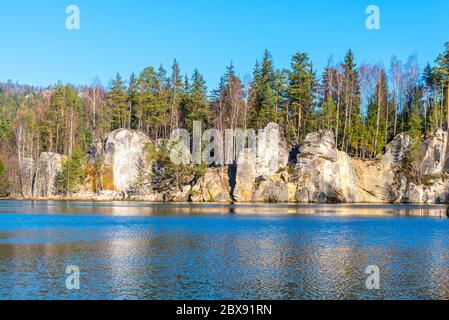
x: 314, y: 172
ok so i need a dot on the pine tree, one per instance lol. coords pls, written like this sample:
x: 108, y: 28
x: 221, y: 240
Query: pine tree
x: 197, y: 108
x: 430, y: 81
x: 328, y: 99
x: 300, y: 94
x: 118, y: 104
x: 133, y: 102
x: 381, y: 100
x: 72, y: 176
x: 414, y: 130
x: 175, y: 96
x: 263, y: 93
x: 228, y: 101
x: 443, y: 71
x: 351, y: 101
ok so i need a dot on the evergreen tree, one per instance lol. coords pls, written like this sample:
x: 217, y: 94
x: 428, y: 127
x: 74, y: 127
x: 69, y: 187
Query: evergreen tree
x: 175, y: 95
x: 430, y: 81
x: 197, y: 108
x: 118, y: 104
x: 443, y: 71
x: 228, y: 101
x: 73, y: 174
x: 263, y: 93
x: 414, y: 130
x: 133, y: 101
x: 300, y: 94
x: 351, y: 116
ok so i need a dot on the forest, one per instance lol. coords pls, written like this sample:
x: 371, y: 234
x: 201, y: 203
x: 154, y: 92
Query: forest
x: 365, y: 105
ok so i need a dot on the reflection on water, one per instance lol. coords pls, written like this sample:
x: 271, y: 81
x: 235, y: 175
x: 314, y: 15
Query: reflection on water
x: 194, y: 251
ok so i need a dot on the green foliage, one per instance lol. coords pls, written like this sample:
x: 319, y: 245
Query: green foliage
x: 165, y: 174
x: 263, y: 93
x: 5, y: 129
x: 414, y: 130
x: 64, y: 124
x: 73, y: 173
x: 195, y: 102
x: 300, y: 94
x: 4, y: 185
x: 118, y: 104
x: 354, y: 102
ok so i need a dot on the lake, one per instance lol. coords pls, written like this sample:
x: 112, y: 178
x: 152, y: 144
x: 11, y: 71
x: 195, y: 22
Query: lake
x: 131, y: 250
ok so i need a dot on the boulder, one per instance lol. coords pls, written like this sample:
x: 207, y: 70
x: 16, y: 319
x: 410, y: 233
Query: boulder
x: 48, y: 166
x: 26, y: 176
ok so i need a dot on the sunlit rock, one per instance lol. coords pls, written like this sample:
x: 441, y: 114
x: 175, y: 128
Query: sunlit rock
x: 48, y: 166
x: 396, y: 151
x: 324, y: 174
x: 434, y: 154
x: 26, y: 176
x: 212, y: 187
x: 271, y: 189
x: 120, y: 157
x: 245, y: 177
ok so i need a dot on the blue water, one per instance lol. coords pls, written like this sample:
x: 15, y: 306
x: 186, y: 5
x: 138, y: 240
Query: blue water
x: 182, y: 251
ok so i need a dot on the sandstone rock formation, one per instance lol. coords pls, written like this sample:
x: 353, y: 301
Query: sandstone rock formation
x: 119, y: 168
x: 384, y: 180
x: 325, y: 174
x: 272, y: 151
x: 396, y: 151
x: 271, y: 189
x: 435, y: 192
x: 212, y: 187
x: 121, y: 156
x: 245, y: 177
x: 48, y: 166
x: 434, y: 154
x: 26, y: 176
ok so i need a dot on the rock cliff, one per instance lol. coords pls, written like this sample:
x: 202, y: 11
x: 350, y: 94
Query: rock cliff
x: 48, y: 167
x: 119, y: 168
x: 121, y: 156
x: 26, y: 177
x: 324, y: 174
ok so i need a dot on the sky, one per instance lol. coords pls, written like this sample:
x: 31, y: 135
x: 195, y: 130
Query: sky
x: 127, y: 36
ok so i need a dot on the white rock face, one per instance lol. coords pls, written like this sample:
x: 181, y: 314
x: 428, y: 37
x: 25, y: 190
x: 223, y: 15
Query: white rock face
x: 48, y: 167
x: 26, y: 176
x: 272, y: 152
x: 381, y: 183
x: 124, y: 151
x: 436, y: 192
x: 396, y: 151
x: 245, y: 177
x: 325, y: 174
x: 434, y: 154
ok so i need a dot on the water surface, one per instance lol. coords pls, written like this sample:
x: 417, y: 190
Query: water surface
x: 128, y: 250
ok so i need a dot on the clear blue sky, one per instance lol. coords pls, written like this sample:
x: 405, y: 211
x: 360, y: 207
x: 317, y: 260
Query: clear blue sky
x: 127, y: 36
